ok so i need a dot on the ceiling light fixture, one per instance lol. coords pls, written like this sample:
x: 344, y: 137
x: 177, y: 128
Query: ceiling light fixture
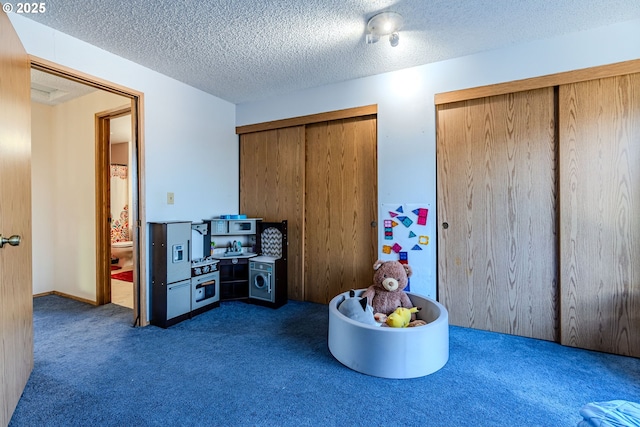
x: 384, y: 24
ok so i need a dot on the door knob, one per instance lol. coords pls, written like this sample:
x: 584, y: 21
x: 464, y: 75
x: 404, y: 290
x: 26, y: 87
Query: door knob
x: 13, y: 240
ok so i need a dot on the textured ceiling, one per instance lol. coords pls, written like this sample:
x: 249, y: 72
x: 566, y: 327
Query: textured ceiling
x: 120, y: 129
x: 53, y: 90
x: 244, y: 50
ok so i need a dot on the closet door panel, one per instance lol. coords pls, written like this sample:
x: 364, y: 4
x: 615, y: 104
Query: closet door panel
x: 272, y: 188
x: 341, y: 204
x: 600, y: 214
x: 496, y: 168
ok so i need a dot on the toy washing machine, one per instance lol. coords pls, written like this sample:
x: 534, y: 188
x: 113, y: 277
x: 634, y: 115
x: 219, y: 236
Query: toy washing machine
x: 261, y: 278
x: 268, y: 270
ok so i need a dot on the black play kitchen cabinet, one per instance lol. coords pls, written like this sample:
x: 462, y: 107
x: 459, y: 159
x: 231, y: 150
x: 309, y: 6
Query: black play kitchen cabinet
x: 234, y: 278
x: 252, y: 258
x: 234, y: 263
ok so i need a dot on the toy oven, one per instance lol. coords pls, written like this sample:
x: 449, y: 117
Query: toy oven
x: 205, y: 290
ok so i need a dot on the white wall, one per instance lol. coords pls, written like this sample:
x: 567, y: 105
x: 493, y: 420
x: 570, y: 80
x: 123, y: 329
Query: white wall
x: 42, y: 197
x: 191, y: 147
x: 190, y: 143
x: 406, y: 112
x: 73, y: 213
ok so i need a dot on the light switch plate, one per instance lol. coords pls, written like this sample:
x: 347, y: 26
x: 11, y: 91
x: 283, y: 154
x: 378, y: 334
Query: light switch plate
x: 170, y: 198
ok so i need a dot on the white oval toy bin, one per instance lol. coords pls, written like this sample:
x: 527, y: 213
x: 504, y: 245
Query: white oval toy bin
x: 391, y: 352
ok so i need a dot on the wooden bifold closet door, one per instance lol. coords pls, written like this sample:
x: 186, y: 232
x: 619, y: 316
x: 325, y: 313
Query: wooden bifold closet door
x: 321, y: 177
x: 540, y: 193
x: 600, y: 214
x: 272, y: 188
x: 340, y: 243
x: 496, y: 213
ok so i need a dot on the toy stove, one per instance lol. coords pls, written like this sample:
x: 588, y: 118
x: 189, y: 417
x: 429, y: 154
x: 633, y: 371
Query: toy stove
x: 200, y: 266
x: 205, y: 277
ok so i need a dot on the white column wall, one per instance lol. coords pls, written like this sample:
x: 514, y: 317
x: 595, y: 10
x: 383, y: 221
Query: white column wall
x: 189, y: 135
x: 42, y: 197
x: 191, y: 148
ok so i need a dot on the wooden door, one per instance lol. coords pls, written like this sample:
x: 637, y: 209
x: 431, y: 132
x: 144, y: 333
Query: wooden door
x: 496, y: 167
x: 600, y: 214
x: 272, y: 188
x: 16, y: 301
x: 340, y: 207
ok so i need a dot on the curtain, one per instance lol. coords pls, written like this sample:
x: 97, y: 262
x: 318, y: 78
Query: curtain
x: 119, y: 203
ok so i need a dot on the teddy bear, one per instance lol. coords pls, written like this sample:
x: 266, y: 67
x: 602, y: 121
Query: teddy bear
x: 387, y: 292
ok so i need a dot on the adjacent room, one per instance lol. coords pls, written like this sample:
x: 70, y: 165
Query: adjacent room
x: 195, y: 189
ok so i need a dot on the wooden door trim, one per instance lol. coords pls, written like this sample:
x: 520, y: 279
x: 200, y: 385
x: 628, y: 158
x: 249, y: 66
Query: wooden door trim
x: 574, y: 76
x: 348, y: 113
x: 139, y: 238
x: 80, y: 77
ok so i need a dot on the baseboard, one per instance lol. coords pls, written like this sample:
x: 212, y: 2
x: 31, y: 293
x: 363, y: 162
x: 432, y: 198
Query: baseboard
x: 43, y: 294
x: 62, y: 294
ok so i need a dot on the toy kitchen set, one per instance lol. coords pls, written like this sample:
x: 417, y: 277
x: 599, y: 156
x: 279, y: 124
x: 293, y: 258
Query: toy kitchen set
x: 195, y: 266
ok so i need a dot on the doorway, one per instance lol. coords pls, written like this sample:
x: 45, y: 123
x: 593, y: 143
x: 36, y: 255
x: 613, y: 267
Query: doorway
x: 87, y: 259
x: 120, y: 197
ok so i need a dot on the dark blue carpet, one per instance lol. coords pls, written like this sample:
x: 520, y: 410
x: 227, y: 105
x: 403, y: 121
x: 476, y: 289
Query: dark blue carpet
x: 245, y: 365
